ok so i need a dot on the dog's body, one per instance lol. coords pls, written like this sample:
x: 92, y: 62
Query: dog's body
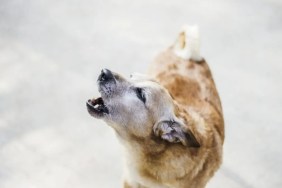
x: 174, y: 138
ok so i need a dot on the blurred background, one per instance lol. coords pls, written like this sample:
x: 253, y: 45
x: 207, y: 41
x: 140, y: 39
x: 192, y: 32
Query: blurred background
x: 51, y: 52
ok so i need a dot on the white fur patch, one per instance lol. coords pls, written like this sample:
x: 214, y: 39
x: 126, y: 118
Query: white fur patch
x: 188, y: 43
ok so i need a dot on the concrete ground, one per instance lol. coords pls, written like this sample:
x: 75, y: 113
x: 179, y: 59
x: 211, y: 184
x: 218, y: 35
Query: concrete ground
x: 51, y: 52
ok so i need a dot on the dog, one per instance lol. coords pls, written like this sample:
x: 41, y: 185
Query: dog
x: 170, y: 122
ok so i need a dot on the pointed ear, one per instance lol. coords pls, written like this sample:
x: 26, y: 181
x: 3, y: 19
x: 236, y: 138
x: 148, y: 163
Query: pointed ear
x: 173, y: 132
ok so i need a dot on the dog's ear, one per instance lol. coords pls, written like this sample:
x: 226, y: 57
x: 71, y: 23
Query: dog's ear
x: 173, y: 132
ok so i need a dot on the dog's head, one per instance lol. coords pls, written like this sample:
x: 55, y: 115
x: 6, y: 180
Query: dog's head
x: 139, y: 106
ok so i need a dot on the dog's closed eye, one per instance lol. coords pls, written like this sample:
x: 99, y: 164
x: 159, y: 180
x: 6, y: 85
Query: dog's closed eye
x: 140, y: 94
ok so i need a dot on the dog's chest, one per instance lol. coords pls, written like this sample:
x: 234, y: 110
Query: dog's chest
x: 157, y: 174
x: 135, y: 175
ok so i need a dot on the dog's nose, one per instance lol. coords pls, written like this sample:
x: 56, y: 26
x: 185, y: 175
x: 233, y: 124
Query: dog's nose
x: 106, y: 75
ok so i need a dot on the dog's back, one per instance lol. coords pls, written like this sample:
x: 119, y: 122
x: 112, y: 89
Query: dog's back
x: 187, y: 77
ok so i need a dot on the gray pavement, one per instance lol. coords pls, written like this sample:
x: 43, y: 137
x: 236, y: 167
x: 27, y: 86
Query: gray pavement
x: 52, y: 51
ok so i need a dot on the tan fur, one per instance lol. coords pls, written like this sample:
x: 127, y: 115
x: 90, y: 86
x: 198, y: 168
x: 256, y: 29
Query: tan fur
x: 197, y: 103
x: 175, y: 138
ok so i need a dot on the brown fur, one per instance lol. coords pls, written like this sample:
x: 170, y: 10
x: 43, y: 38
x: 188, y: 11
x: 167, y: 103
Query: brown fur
x: 171, y: 125
x: 193, y: 90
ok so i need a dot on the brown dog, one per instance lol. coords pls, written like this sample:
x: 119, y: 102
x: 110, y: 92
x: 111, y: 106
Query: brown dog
x: 171, y: 123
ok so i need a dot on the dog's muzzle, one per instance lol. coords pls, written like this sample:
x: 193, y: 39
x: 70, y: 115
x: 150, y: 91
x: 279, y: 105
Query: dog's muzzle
x: 106, y: 81
x: 106, y: 76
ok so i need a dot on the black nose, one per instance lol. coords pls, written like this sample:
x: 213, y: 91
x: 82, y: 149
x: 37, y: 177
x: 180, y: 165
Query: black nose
x: 106, y: 75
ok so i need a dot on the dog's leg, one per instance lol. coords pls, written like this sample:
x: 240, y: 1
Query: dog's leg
x: 187, y: 45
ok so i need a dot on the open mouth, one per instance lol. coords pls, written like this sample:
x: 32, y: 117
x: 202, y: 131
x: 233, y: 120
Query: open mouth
x: 96, y: 107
